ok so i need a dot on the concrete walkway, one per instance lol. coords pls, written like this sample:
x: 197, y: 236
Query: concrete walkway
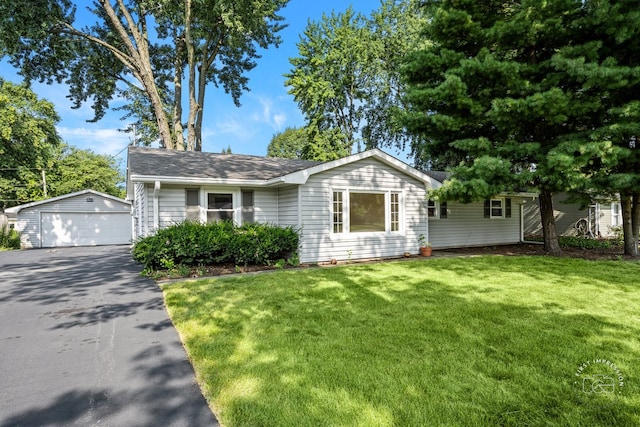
x: 86, y: 341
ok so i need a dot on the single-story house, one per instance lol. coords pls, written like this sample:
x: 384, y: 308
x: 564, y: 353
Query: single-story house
x: 602, y: 219
x: 367, y: 205
x: 84, y: 218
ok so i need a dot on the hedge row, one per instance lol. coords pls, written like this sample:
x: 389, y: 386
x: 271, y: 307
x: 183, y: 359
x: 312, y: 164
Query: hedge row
x: 195, y: 244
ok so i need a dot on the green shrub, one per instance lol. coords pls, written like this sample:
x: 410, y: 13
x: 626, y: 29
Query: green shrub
x: 9, y: 238
x: 585, y: 243
x: 194, y: 244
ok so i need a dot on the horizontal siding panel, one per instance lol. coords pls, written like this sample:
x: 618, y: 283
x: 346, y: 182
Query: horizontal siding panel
x: 172, y: 206
x: 288, y: 206
x: 319, y: 244
x: 266, y: 206
x: 466, y: 225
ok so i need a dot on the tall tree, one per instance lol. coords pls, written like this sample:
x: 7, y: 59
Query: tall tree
x: 288, y: 144
x: 74, y: 170
x: 495, y: 96
x: 215, y: 40
x: 346, y: 79
x: 28, y: 139
x: 608, y: 65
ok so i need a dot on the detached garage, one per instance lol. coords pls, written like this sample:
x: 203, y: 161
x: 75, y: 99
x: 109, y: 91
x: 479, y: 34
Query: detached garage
x: 85, y: 218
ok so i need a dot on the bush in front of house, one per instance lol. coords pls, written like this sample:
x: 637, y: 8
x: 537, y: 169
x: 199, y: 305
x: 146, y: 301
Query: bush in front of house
x: 9, y: 238
x: 194, y: 244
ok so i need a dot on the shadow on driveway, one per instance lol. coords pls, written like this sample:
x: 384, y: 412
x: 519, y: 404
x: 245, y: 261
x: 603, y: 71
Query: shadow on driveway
x: 84, y: 340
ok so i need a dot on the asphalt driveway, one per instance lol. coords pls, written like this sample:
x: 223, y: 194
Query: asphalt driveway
x: 86, y: 341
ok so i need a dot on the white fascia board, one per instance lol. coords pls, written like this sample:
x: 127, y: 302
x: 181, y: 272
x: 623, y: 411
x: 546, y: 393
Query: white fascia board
x: 518, y: 194
x: 302, y: 176
x: 173, y: 180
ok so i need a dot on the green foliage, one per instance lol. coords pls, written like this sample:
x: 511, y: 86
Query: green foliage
x: 194, y: 244
x: 534, y: 95
x: 585, y: 243
x: 28, y: 139
x: 288, y: 144
x: 110, y: 54
x: 346, y: 78
x: 9, y: 238
x: 75, y: 170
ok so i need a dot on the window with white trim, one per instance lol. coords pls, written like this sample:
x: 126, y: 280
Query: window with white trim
x: 616, y: 214
x: 365, y: 212
x: 436, y: 209
x: 497, y: 208
x: 192, y: 204
x: 395, y: 211
x: 219, y: 207
x: 338, y: 217
x: 248, y: 211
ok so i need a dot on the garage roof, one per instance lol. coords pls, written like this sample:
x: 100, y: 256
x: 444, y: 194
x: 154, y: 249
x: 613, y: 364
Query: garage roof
x: 17, y: 209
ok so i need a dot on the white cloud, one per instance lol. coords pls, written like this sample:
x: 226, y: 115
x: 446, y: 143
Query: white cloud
x: 99, y: 140
x: 279, y: 120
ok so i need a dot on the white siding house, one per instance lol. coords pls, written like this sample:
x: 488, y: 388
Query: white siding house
x: 85, y: 218
x: 368, y: 205
x: 603, y: 218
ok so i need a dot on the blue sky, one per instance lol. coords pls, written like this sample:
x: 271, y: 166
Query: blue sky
x: 266, y: 110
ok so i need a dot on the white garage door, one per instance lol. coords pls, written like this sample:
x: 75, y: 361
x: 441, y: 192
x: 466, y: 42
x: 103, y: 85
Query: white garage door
x: 85, y: 228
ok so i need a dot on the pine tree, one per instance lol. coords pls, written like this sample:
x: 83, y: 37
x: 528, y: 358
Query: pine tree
x: 500, y: 98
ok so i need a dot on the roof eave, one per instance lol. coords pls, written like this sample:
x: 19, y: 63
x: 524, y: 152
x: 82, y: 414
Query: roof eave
x: 150, y: 179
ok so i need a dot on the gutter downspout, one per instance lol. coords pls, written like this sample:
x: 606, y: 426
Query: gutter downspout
x: 156, y: 205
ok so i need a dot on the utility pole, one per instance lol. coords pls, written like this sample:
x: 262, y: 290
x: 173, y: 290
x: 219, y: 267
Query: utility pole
x: 44, y: 183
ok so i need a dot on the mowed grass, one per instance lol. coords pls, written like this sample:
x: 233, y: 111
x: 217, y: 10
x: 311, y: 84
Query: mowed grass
x: 445, y: 342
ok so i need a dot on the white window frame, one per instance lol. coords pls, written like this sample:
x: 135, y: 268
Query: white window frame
x: 437, y: 207
x: 616, y: 214
x: 502, y: 208
x: 345, y: 214
x: 231, y: 210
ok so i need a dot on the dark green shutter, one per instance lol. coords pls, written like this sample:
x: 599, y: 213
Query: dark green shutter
x: 507, y: 208
x: 443, y: 209
x: 487, y: 208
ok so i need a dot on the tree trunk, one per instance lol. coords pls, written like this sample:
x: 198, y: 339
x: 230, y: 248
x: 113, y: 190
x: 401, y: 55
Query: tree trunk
x: 177, y: 83
x: 551, y: 243
x: 630, y: 204
x: 193, y: 105
x: 635, y: 216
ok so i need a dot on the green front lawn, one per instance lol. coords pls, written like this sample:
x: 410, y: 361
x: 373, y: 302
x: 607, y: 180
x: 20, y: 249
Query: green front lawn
x: 451, y: 341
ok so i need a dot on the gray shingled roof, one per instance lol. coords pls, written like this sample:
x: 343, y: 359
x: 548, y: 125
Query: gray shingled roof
x: 188, y: 164
x: 440, y: 176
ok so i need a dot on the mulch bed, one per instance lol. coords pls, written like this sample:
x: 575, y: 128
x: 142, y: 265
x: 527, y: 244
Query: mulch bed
x: 615, y: 253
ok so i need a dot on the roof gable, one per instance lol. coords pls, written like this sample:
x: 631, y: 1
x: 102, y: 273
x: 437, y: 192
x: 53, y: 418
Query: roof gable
x: 300, y: 177
x: 16, y: 209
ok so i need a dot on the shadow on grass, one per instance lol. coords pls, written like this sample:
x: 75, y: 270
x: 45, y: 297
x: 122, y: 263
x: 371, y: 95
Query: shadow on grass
x: 404, y: 344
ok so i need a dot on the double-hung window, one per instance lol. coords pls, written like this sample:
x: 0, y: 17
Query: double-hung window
x: 219, y: 207
x: 497, y: 208
x: 616, y: 214
x: 365, y: 211
x: 436, y: 210
x: 192, y: 196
